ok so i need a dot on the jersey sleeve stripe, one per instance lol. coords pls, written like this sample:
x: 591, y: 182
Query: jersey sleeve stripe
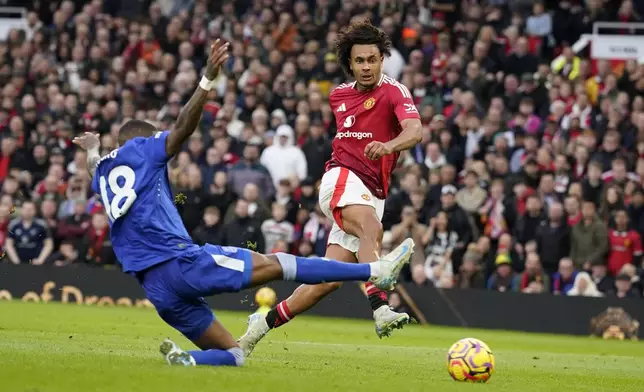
x: 403, y: 89
x: 406, y: 90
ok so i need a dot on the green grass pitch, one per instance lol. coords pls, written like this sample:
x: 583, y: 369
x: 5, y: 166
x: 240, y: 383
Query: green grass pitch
x: 56, y: 347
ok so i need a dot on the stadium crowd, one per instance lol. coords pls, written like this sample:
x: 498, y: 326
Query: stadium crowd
x: 529, y: 178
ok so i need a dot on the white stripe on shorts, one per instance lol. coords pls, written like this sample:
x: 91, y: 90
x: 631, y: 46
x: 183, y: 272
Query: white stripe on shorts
x: 229, y: 262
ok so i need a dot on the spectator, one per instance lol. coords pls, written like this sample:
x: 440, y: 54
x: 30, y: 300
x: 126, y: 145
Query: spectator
x: 214, y: 163
x: 284, y: 196
x: 29, y: 239
x: 250, y: 171
x: 458, y: 221
x: 624, y: 287
x: 99, y: 248
x: 277, y: 228
x: 527, y: 225
x: 472, y: 196
x: 636, y: 210
x: 564, y: 278
x: 631, y: 271
x: 418, y: 275
x: 553, y: 238
x: 599, y: 275
x: 572, y: 206
x: 243, y: 231
x: 625, y: 244
x: 48, y: 215
x: 307, y: 197
x: 210, y: 229
x: 5, y: 219
x: 521, y: 61
x: 497, y: 215
x: 470, y: 274
x: 399, y: 197
x: 283, y: 159
x: 589, y: 238
x: 193, y: 197
x: 409, y: 227
x: 584, y: 286
x: 533, y: 280
x: 219, y: 194
x: 440, y: 243
x: 317, y: 150
x: 67, y: 254
x: 593, y: 187
x: 257, y: 207
x: 503, y: 279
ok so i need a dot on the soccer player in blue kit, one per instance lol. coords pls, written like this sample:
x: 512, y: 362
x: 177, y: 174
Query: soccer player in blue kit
x: 152, y: 244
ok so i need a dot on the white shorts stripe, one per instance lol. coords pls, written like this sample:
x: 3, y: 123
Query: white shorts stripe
x: 229, y: 262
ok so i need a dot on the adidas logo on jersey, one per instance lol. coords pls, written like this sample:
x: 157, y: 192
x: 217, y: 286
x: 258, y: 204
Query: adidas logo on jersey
x: 342, y: 108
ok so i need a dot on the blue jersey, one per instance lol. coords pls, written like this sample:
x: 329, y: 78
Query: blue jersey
x: 145, y: 227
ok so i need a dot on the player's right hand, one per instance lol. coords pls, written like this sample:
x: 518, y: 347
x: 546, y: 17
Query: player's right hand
x: 88, y: 141
x: 376, y: 150
x: 217, y: 57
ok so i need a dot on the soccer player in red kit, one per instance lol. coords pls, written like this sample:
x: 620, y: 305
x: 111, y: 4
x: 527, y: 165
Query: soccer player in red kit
x: 376, y: 119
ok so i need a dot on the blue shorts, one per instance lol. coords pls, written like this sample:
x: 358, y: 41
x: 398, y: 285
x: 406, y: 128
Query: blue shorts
x: 176, y: 287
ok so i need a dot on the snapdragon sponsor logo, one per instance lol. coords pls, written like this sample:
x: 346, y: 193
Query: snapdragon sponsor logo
x: 354, y: 135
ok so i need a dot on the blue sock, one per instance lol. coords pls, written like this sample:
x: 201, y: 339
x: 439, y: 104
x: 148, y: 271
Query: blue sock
x: 216, y: 357
x: 313, y: 270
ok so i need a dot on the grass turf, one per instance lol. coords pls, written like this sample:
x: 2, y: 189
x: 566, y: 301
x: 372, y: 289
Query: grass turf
x: 56, y: 347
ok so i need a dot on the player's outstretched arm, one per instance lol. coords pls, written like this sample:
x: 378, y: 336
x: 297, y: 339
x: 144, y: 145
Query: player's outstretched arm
x: 90, y: 143
x: 191, y: 113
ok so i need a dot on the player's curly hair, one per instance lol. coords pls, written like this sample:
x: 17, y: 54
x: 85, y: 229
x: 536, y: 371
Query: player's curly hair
x: 359, y: 33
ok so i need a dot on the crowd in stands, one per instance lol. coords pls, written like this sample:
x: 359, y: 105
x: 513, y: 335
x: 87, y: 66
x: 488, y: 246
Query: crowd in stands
x: 529, y: 177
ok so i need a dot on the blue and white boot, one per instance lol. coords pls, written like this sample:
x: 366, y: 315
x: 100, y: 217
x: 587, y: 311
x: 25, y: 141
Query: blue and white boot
x: 174, y: 355
x: 257, y: 329
x: 387, y: 320
x: 391, y: 264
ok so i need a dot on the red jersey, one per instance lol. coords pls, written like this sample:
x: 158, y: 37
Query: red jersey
x: 624, y: 246
x: 365, y: 116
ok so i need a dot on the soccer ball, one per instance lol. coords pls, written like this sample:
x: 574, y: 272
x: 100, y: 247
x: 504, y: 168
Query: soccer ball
x: 265, y: 297
x: 470, y: 360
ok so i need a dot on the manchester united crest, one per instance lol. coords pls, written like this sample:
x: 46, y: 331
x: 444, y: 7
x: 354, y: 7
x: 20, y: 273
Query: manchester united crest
x: 368, y: 104
x: 366, y: 197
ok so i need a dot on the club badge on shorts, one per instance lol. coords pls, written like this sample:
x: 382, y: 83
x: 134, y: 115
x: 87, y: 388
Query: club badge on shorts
x: 368, y: 104
x: 366, y: 197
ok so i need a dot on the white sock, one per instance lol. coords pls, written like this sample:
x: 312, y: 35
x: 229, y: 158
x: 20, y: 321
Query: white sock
x: 375, y: 269
x: 238, y: 353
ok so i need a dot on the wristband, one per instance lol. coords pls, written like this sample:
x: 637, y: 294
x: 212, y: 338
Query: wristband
x: 206, y: 84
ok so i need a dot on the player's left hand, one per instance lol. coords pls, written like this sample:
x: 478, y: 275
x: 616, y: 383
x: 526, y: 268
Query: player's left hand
x: 376, y: 150
x: 88, y: 141
x: 216, y: 58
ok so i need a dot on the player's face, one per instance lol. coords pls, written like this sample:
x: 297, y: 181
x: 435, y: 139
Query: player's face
x: 366, y: 65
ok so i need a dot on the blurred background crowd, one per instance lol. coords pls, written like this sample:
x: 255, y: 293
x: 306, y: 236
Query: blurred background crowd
x: 529, y: 176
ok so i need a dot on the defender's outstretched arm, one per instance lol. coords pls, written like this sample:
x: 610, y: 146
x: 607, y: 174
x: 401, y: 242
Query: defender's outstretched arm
x: 191, y: 113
